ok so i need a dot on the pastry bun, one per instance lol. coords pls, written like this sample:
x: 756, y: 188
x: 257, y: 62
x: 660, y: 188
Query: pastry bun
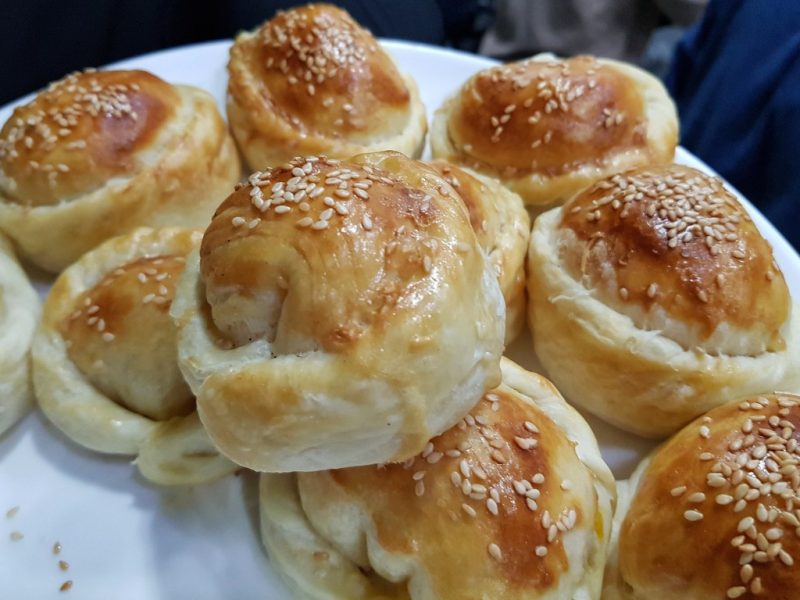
x: 514, y: 502
x: 312, y: 81
x: 19, y: 316
x: 653, y: 298
x: 503, y: 228
x: 101, y: 152
x: 338, y: 314
x: 548, y: 127
x: 713, y: 513
x: 105, y: 360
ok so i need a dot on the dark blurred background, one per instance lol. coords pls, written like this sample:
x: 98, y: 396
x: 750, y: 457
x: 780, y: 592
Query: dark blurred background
x: 43, y: 40
x: 733, y: 66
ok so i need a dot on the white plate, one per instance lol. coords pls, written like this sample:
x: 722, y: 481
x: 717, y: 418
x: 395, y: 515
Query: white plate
x: 126, y: 539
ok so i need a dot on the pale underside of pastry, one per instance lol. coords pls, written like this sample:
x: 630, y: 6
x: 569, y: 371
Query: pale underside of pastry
x: 105, y: 363
x: 338, y: 313
x: 514, y: 502
x: 311, y: 81
x: 648, y: 329
x: 100, y: 153
x: 19, y: 314
x: 503, y: 227
x: 720, y: 499
x: 548, y: 127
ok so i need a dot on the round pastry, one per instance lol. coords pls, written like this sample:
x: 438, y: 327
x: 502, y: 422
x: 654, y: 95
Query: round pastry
x: 105, y: 366
x: 312, y: 81
x: 513, y: 502
x: 549, y: 127
x: 715, y: 512
x: 19, y: 315
x: 653, y: 298
x: 503, y: 228
x: 101, y: 152
x: 338, y: 314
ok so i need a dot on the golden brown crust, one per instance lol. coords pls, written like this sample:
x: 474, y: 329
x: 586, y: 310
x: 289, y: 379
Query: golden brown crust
x: 722, y: 494
x: 80, y: 132
x: 312, y: 81
x: 507, y: 494
x: 104, y: 360
x: 502, y: 225
x: 395, y: 214
x: 401, y: 498
x: 335, y: 270
x: 101, y: 153
x: 547, y: 117
x: 674, y: 239
x: 120, y: 336
x: 548, y: 127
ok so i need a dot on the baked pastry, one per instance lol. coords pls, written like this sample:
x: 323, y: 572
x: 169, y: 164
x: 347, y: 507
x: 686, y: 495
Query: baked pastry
x: 19, y: 315
x: 312, y: 81
x: 513, y: 502
x: 101, y: 152
x: 658, y: 275
x: 338, y: 314
x: 105, y: 361
x: 653, y: 298
x: 503, y: 228
x: 549, y: 127
x: 713, y: 513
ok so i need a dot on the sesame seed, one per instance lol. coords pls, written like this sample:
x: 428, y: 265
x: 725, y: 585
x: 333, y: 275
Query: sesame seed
x: 491, y: 505
x: 745, y: 524
x: 736, y: 591
x: 469, y: 510
x: 525, y: 443
x: 693, y: 515
x: 495, y: 552
x: 531, y: 427
x: 541, y: 551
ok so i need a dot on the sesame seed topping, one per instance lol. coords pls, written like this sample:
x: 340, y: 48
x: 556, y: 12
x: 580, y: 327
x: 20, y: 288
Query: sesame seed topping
x: 693, y: 515
x: 495, y: 552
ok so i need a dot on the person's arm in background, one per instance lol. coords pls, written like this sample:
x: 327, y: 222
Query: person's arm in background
x: 736, y: 80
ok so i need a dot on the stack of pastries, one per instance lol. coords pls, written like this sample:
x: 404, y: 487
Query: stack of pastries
x: 336, y: 319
